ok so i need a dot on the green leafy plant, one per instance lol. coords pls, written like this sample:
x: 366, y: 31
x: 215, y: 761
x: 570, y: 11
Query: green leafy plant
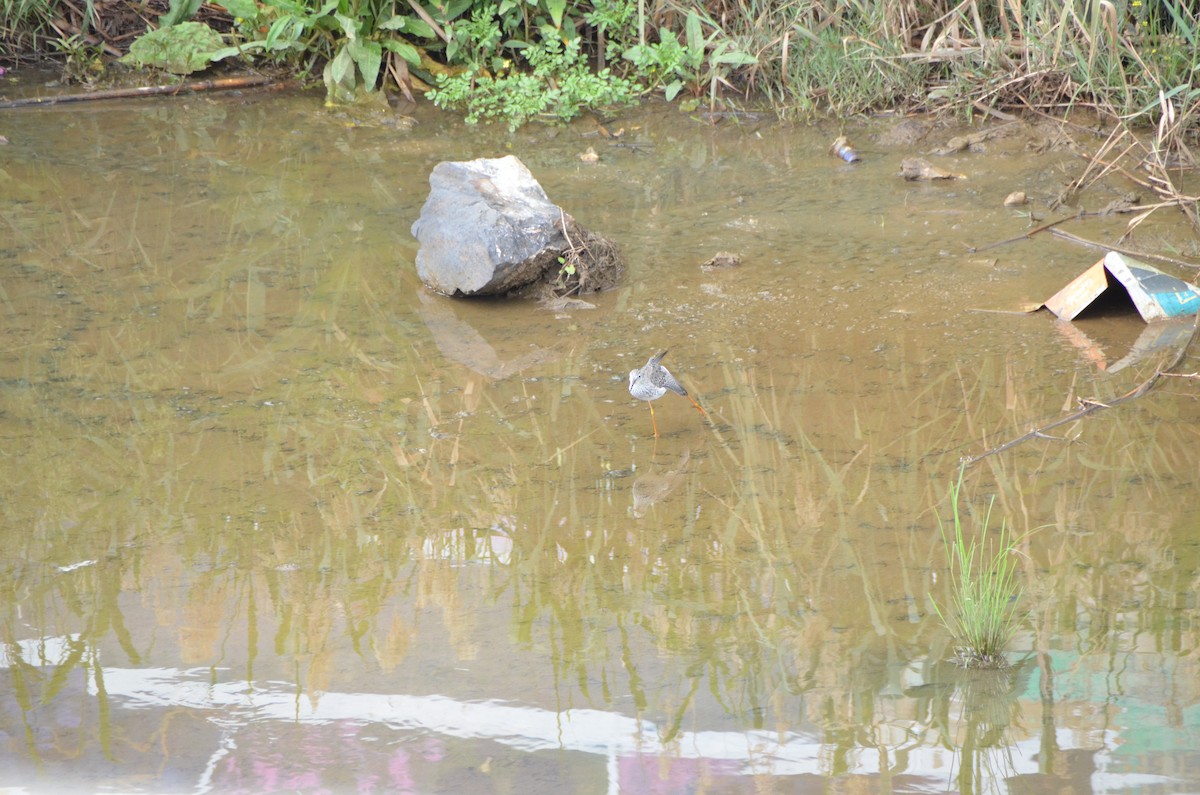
x: 616, y: 25
x: 983, y: 612
x: 489, y: 36
x: 664, y: 62
x: 353, y: 37
x: 559, y: 83
x: 525, y: 22
x: 566, y: 270
x: 356, y: 66
x: 186, y: 47
x: 180, y: 49
x: 476, y: 41
x: 356, y: 38
x: 179, y: 11
x: 83, y: 61
x: 702, y: 62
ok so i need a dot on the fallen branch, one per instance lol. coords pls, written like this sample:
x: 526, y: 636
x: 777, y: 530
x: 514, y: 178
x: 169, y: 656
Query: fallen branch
x: 1018, y: 238
x: 1090, y: 405
x: 216, y: 84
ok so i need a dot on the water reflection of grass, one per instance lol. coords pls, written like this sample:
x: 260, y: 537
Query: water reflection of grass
x: 978, y: 713
x: 748, y: 622
x: 328, y: 492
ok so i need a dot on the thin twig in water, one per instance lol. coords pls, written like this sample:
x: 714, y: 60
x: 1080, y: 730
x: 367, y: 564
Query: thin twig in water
x: 1114, y: 167
x: 1052, y: 227
x: 1143, y: 255
x: 1018, y: 238
x: 215, y: 84
x: 562, y: 222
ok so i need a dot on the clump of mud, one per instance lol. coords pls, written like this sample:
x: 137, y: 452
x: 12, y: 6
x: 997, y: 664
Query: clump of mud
x: 592, y: 263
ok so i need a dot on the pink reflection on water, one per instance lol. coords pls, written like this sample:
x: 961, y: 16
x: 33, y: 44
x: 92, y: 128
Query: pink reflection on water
x: 334, y: 757
x: 662, y: 775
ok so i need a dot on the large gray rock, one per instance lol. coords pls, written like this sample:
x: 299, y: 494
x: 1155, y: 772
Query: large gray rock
x: 487, y: 228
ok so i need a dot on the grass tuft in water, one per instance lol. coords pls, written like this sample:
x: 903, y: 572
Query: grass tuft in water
x: 983, y: 610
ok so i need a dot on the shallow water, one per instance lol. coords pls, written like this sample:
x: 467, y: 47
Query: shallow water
x: 275, y: 518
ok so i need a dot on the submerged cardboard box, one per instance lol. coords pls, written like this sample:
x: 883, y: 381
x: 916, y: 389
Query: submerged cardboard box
x: 1156, y: 295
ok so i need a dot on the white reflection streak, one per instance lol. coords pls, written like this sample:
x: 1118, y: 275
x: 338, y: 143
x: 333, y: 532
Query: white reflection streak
x: 228, y: 746
x: 607, y: 734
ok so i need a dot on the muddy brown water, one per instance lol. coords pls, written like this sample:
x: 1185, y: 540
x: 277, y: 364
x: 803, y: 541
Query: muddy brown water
x: 277, y: 519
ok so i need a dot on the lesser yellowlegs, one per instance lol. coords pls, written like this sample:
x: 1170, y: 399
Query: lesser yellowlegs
x: 651, y: 381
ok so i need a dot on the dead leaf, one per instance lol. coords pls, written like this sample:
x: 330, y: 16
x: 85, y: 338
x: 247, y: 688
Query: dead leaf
x: 606, y: 133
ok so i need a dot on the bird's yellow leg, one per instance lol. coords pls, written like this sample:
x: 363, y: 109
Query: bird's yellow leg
x: 653, y: 421
x: 699, y: 408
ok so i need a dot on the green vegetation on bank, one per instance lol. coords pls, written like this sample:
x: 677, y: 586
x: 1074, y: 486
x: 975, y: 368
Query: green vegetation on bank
x: 515, y: 60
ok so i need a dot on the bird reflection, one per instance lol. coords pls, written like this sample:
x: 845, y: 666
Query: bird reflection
x: 650, y: 489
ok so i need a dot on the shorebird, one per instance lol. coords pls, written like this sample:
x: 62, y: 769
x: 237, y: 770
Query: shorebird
x: 651, y: 381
